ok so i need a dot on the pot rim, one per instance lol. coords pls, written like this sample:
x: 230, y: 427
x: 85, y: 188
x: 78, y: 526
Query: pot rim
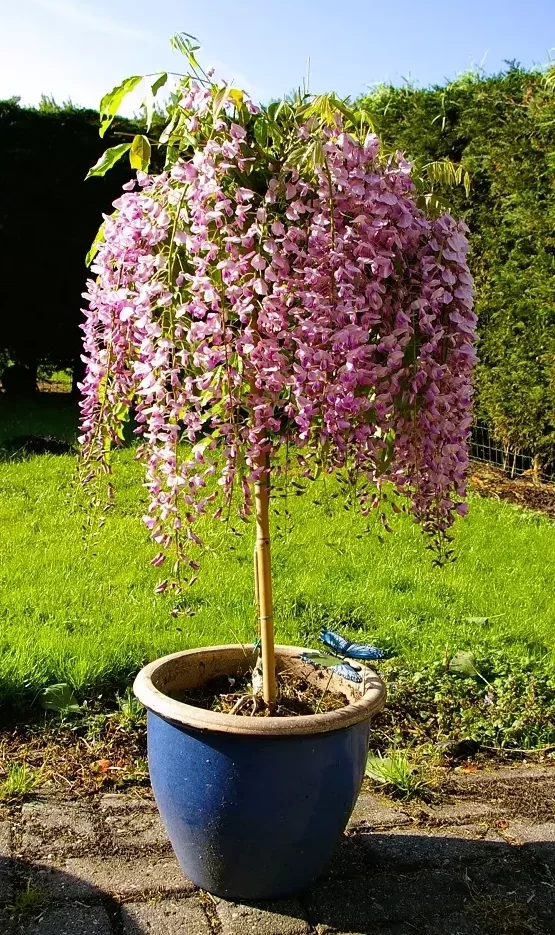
x: 371, y: 701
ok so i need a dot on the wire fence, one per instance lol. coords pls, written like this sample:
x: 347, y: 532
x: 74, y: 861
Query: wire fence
x: 485, y: 449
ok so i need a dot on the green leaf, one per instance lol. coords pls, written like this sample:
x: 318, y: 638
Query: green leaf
x: 172, y: 154
x: 261, y: 132
x: 99, y: 238
x: 275, y: 131
x: 317, y: 154
x: 448, y: 173
x: 158, y: 83
x: 219, y: 102
x: 108, y: 159
x: 169, y: 128
x: 237, y: 96
x: 111, y: 102
x: 433, y: 204
x: 186, y: 44
x: 463, y: 663
x: 183, y: 42
x: 139, y: 154
x: 60, y: 698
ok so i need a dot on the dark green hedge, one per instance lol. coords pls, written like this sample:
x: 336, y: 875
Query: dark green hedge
x: 48, y: 218
x: 502, y: 129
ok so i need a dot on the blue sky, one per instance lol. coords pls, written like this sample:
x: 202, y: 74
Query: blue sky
x: 78, y: 49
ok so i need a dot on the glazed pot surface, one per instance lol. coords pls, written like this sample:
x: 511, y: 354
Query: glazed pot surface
x: 255, y: 815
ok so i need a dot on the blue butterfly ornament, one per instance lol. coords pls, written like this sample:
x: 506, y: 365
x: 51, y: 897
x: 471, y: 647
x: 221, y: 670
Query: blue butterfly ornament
x: 346, y: 650
x: 342, y: 647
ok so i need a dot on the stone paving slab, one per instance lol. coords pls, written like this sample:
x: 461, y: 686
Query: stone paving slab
x: 538, y: 840
x: 121, y: 802
x: 70, y: 920
x: 467, y: 810
x: 285, y: 917
x: 6, y: 888
x: 138, y: 829
x: 122, y: 877
x: 53, y: 827
x: 105, y: 867
x: 169, y: 917
x: 414, y: 849
x: 5, y: 838
x: 377, y: 813
x: 513, y: 773
x: 389, y: 898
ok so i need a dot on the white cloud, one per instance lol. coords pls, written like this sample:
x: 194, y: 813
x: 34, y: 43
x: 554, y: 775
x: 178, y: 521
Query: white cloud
x: 74, y: 12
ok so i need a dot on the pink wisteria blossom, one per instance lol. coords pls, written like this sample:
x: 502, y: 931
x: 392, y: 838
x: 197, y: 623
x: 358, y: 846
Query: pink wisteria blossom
x: 324, y: 308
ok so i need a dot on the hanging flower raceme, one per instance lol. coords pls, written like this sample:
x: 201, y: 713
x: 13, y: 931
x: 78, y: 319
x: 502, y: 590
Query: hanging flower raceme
x: 241, y: 301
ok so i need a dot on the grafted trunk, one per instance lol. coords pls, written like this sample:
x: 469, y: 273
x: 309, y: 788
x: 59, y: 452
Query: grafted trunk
x: 263, y: 579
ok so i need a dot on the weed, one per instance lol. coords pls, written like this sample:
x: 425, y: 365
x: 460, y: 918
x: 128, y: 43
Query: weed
x: 501, y: 700
x: 130, y: 714
x: 30, y: 901
x: 500, y: 915
x: 60, y: 699
x: 139, y: 771
x: 398, y: 776
x: 19, y: 782
x: 93, y: 725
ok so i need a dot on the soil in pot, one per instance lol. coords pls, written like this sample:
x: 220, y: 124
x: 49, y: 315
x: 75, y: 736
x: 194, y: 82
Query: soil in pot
x: 233, y: 695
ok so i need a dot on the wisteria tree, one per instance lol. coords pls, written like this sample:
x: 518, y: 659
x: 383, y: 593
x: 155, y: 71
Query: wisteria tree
x: 281, y: 281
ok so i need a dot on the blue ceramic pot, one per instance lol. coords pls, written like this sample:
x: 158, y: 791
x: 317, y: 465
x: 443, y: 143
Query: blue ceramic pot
x: 253, y: 807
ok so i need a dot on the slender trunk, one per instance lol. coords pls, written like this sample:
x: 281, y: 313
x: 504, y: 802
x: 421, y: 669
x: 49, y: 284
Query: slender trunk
x: 536, y: 469
x: 263, y: 584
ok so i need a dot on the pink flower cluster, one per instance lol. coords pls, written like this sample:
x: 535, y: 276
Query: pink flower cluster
x: 321, y: 307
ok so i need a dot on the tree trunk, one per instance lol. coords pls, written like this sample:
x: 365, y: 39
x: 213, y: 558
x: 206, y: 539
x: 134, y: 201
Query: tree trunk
x: 263, y: 584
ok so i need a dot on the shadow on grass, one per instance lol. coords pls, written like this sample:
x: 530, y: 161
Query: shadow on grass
x: 377, y: 884
x: 42, y: 414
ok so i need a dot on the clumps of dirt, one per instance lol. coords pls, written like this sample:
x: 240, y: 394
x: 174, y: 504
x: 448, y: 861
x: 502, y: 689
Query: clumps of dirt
x: 86, y: 756
x: 523, y: 491
x: 500, y: 915
x: 522, y: 792
x: 296, y: 696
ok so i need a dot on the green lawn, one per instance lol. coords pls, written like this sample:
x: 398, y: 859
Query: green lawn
x: 84, y: 611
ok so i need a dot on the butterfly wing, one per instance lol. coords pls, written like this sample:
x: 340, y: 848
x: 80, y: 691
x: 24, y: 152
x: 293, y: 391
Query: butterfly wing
x: 338, y: 644
x: 344, y: 669
x: 364, y: 651
x: 347, y: 672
